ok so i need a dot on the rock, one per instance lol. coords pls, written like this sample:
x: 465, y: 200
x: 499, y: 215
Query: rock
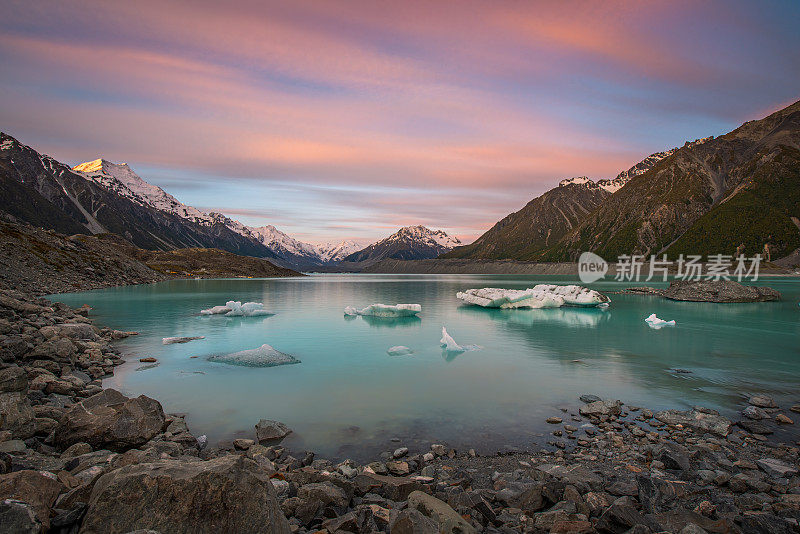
x: 82, y: 331
x: 755, y: 413
x: 619, y: 518
x: 325, y: 492
x: 776, y: 468
x: 445, y: 517
x: 706, y: 422
x: 111, y: 420
x: 718, y: 291
x: 34, y: 488
x: 13, y: 445
x: 411, y: 521
x: 795, y: 408
x: 18, y: 517
x: 399, y: 453
x: 13, y: 379
x: 554, y: 420
x: 398, y: 468
x: 148, y: 359
x: 601, y: 407
x: 243, y: 444
x: 762, y: 401
x: 16, y: 414
x: 755, y: 427
x: 268, y: 431
x: 782, y: 419
x: 76, y: 449
x: 228, y: 494
x: 589, y: 398
x: 394, y: 488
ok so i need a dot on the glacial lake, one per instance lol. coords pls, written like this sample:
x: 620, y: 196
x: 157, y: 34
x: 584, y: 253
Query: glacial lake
x: 349, y: 398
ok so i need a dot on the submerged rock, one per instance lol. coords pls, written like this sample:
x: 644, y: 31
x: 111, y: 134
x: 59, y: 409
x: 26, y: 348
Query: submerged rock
x: 385, y: 310
x: 229, y: 494
x: 184, y: 339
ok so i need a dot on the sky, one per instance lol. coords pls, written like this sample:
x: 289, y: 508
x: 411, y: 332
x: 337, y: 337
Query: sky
x: 348, y: 119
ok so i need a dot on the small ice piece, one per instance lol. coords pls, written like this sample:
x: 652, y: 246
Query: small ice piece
x: 234, y: 308
x: 263, y: 356
x: 449, y: 343
x: 399, y: 350
x: 385, y: 310
x: 540, y: 296
x: 654, y: 322
x: 186, y: 339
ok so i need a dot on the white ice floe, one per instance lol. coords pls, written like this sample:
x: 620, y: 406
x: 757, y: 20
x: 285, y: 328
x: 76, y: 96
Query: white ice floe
x: 263, y: 356
x: 449, y: 343
x: 234, y: 308
x: 385, y: 310
x: 186, y: 339
x: 654, y: 322
x: 540, y: 296
x: 399, y: 350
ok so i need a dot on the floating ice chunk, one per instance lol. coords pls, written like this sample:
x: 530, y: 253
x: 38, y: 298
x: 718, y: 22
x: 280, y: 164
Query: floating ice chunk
x: 540, y: 296
x: 234, y: 308
x: 171, y: 340
x: 263, y: 356
x: 449, y: 343
x: 654, y: 322
x: 399, y: 350
x: 385, y: 310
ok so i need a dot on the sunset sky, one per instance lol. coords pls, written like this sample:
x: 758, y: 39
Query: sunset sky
x: 348, y: 119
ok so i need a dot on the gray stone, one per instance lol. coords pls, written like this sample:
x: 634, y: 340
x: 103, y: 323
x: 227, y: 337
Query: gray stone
x: 715, y: 424
x: 448, y: 520
x: 601, y: 407
x: 762, y: 401
x: 268, y: 430
x: 228, y: 494
x: 589, y: 398
x: 18, y: 517
x: 411, y: 521
x: 776, y: 468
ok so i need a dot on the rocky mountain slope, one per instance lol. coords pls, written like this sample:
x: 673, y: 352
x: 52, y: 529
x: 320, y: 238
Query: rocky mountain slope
x: 43, y: 261
x: 408, y: 243
x: 737, y: 192
x: 40, y: 190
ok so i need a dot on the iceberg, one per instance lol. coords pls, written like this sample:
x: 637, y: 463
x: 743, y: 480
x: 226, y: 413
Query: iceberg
x: 449, y: 343
x: 171, y: 340
x: 263, y: 356
x: 654, y: 322
x: 539, y: 296
x: 234, y: 308
x: 385, y: 310
x: 399, y: 350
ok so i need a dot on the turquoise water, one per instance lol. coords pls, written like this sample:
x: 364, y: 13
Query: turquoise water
x: 348, y: 397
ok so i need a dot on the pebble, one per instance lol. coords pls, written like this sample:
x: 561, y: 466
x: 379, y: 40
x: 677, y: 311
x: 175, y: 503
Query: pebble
x: 554, y: 420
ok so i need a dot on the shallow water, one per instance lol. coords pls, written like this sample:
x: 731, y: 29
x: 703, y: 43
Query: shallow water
x: 348, y: 397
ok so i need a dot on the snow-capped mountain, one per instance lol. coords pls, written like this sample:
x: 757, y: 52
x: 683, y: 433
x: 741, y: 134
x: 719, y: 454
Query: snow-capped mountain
x: 122, y: 180
x: 335, y: 252
x: 408, y: 243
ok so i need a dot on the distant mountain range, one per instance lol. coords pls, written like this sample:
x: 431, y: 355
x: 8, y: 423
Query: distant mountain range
x: 100, y: 196
x: 409, y: 243
x: 737, y: 192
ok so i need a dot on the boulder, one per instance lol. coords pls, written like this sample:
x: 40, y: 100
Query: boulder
x: 696, y: 419
x: 110, y: 420
x: 601, y: 407
x: 82, y: 331
x: 16, y: 414
x: 411, y: 521
x: 446, y: 518
x: 35, y: 488
x: 776, y: 468
x: 268, y: 430
x: 762, y: 401
x: 18, y: 517
x: 228, y: 494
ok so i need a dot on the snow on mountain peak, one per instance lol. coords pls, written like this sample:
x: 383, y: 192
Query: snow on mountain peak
x: 421, y: 234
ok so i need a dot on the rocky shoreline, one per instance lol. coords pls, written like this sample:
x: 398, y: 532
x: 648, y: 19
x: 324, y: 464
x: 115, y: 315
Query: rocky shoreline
x: 75, y: 457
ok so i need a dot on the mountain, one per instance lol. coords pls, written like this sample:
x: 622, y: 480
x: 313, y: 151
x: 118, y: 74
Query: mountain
x: 739, y: 191
x: 408, y: 243
x: 527, y: 233
x: 731, y: 194
x: 39, y: 190
x: 336, y: 252
x: 542, y: 222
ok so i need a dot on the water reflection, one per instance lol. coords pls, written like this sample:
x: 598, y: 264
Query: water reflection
x: 391, y: 322
x: 569, y: 317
